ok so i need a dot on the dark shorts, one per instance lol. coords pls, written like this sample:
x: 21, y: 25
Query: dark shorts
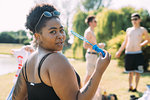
x: 134, y: 63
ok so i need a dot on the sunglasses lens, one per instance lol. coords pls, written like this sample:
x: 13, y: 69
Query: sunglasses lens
x: 134, y: 19
x: 47, y: 14
x: 56, y: 13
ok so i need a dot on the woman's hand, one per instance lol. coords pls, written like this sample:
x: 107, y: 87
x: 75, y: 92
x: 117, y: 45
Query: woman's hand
x: 103, y: 62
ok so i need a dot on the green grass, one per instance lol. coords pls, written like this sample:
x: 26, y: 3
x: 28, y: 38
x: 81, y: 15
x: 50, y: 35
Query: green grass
x: 5, y: 48
x: 6, y: 83
x: 113, y: 81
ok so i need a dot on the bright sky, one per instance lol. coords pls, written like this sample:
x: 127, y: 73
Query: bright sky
x: 13, y: 12
x: 135, y: 3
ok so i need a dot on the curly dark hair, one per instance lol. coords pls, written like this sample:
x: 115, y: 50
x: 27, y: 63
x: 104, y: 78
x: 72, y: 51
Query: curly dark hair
x: 34, y: 16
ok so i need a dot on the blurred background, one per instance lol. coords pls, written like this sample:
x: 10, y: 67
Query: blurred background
x: 113, y: 18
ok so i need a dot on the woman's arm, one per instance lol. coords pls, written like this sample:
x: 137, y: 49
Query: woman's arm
x: 64, y: 80
x: 20, y: 90
x: 88, y: 91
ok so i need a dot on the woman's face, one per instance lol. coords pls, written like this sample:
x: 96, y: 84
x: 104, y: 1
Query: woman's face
x: 53, y: 35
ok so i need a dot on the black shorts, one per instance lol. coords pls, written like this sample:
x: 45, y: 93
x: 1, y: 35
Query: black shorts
x: 134, y: 63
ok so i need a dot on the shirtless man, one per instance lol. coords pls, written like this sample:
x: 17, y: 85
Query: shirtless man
x: 133, y: 54
x: 91, y: 55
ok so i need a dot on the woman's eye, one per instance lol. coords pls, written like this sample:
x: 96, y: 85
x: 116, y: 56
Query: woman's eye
x: 53, y: 32
x: 62, y: 30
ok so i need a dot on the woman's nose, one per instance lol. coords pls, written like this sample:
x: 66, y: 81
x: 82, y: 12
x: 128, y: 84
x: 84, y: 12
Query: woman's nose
x: 60, y: 35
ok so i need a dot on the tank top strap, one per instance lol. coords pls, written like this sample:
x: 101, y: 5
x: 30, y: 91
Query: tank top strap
x: 40, y: 64
x: 25, y: 72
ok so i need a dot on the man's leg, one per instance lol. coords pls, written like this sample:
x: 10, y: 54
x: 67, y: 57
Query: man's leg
x: 90, y: 64
x: 89, y: 70
x: 137, y: 78
x: 130, y: 80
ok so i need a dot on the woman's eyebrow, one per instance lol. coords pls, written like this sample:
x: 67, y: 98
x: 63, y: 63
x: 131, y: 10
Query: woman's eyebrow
x: 52, y: 28
x: 55, y: 27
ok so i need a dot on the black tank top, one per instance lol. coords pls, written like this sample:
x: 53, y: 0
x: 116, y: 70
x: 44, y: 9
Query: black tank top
x: 41, y: 91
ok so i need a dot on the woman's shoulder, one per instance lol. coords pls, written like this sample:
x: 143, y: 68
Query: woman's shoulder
x: 56, y: 59
x: 57, y: 56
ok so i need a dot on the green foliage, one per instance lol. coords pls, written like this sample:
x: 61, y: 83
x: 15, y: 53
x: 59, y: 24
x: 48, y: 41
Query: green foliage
x: 145, y: 17
x: 79, y: 26
x: 111, y: 22
x: 7, y: 38
x: 26, y: 42
x: 146, y: 53
x: 109, y: 25
x: 115, y: 43
x: 13, y: 37
x: 91, y: 4
x: 66, y: 44
x: 67, y: 36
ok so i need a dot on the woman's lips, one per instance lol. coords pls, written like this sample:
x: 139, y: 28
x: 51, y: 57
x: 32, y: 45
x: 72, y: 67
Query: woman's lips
x: 60, y: 43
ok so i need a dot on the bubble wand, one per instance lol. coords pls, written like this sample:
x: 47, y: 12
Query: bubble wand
x: 94, y: 47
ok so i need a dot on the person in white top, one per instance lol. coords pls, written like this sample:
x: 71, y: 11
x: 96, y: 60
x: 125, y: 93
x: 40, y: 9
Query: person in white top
x: 91, y: 55
x: 21, y: 56
x: 133, y: 54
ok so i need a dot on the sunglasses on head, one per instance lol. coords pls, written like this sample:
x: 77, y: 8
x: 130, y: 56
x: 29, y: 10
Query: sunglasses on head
x: 134, y: 19
x: 47, y: 14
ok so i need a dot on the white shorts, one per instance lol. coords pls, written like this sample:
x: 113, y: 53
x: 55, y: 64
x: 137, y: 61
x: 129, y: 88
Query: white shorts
x: 90, y: 63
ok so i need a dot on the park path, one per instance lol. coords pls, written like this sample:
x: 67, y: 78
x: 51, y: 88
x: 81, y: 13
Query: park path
x: 8, y: 64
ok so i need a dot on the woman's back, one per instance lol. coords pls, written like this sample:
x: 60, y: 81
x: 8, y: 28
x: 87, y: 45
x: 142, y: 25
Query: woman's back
x: 37, y: 89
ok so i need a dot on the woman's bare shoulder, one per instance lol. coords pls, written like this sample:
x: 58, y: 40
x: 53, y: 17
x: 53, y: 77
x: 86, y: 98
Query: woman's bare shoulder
x: 56, y: 60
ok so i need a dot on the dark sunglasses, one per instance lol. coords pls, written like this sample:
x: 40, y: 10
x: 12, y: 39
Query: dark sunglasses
x: 134, y: 19
x: 95, y: 21
x: 47, y: 14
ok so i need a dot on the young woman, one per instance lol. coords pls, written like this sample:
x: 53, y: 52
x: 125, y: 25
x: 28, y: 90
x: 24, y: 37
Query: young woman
x: 47, y: 74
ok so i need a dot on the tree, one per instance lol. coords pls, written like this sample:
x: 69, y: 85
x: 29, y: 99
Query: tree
x: 7, y: 37
x: 79, y: 26
x: 94, y: 4
x: 13, y: 37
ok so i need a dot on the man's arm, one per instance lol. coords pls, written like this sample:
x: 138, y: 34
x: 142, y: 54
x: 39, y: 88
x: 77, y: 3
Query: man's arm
x: 122, y: 47
x: 20, y: 90
x: 88, y: 37
x: 147, y: 38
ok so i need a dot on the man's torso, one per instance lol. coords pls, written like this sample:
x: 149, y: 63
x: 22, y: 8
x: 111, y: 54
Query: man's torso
x: 92, y: 38
x: 134, y: 39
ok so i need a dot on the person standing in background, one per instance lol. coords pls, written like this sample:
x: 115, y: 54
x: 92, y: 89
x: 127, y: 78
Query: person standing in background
x: 132, y: 44
x: 91, y: 55
x: 21, y: 56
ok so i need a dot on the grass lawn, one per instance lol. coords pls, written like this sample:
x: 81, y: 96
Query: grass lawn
x: 113, y: 81
x: 6, y: 83
x: 5, y: 48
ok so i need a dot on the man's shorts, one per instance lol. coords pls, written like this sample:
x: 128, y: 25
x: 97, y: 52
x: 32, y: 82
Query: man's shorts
x: 134, y: 63
x: 90, y: 62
